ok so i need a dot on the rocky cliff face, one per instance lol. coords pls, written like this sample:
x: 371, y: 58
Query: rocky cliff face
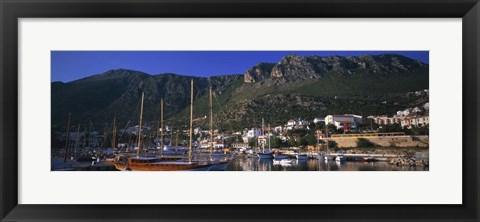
x: 295, y: 67
x: 259, y: 72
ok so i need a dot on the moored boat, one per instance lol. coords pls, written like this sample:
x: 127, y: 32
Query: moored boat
x: 301, y: 157
x: 265, y: 155
x: 140, y: 163
x: 340, y: 158
x: 367, y: 159
x: 280, y: 156
x: 153, y: 164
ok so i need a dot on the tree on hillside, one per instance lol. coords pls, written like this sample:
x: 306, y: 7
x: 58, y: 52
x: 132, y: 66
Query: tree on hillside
x: 308, y: 140
x: 391, y: 128
x: 364, y: 143
x: 332, y: 144
x: 276, y: 142
x: 251, y: 142
x: 294, y: 141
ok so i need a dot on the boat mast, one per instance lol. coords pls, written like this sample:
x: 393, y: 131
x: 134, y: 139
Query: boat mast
x: 78, y: 138
x: 104, y: 141
x: 171, y: 135
x: 85, y: 139
x: 176, y: 138
x: 161, y: 127
x: 191, y: 123
x: 263, y: 135
x: 68, y: 136
x: 114, y: 132
x: 211, y: 124
x: 268, y: 136
x: 140, y: 127
x: 326, y: 139
x: 129, y: 141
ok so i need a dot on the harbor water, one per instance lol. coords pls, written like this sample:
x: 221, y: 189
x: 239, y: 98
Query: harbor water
x: 256, y: 164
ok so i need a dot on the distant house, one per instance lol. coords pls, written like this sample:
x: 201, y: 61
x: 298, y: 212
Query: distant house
x: 405, y: 112
x: 291, y: 122
x: 278, y: 129
x: 262, y: 141
x: 346, y: 121
x: 250, y: 134
x: 320, y: 135
x: 254, y: 133
x: 384, y: 120
x: 217, y: 144
x: 240, y: 145
x: 197, y: 130
x: 296, y: 123
x: 417, y: 121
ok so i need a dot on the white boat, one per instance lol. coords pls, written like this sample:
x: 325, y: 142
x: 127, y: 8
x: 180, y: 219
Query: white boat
x: 340, y: 158
x: 325, y: 157
x: 301, y: 157
x: 283, y: 162
x: 286, y: 162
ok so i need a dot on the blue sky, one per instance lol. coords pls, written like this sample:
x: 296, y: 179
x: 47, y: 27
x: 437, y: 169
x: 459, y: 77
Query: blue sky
x: 72, y: 65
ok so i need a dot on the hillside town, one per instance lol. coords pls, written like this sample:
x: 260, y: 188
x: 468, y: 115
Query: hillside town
x: 343, y: 129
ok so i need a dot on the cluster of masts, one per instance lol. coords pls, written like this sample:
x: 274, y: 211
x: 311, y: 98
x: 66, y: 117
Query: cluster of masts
x: 161, y: 128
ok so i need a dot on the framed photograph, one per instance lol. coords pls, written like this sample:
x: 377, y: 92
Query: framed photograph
x: 227, y: 110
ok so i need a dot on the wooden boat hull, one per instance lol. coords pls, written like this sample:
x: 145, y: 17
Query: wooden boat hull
x: 170, y: 166
x: 121, y: 166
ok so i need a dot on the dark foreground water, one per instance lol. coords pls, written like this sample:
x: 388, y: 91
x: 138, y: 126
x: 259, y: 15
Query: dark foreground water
x: 256, y: 164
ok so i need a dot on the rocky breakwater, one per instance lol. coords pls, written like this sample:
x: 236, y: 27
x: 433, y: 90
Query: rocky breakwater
x: 409, y: 161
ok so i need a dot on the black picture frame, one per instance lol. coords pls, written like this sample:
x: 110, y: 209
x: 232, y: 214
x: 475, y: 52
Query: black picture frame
x: 11, y: 11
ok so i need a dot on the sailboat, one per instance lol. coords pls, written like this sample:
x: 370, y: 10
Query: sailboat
x: 265, y: 154
x: 326, y: 157
x: 223, y: 163
x: 157, y: 164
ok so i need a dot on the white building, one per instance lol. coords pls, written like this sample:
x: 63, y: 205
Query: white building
x: 240, y: 145
x: 405, y: 112
x: 254, y: 133
x: 384, y: 120
x: 319, y: 120
x: 262, y: 140
x: 278, y: 129
x: 296, y: 123
x: 417, y: 121
x: 197, y: 130
x: 251, y: 134
x: 204, y: 144
x: 346, y: 121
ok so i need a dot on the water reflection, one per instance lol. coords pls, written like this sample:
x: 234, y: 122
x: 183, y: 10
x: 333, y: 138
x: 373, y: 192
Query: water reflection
x: 256, y: 164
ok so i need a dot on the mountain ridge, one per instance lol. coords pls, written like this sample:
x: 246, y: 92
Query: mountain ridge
x: 296, y: 86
